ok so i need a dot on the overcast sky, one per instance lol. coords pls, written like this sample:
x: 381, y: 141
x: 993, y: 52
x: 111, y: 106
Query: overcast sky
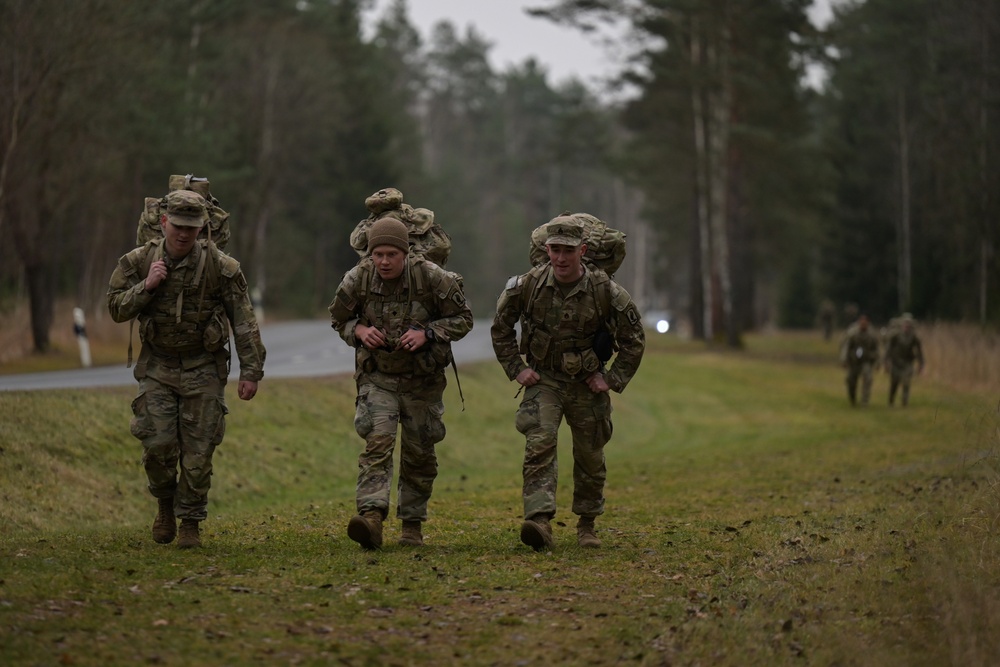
x: 564, y: 52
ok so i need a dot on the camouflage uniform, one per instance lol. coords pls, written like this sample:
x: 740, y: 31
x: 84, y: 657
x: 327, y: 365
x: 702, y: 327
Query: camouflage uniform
x: 859, y: 353
x: 557, y: 340
x: 903, y: 349
x: 398, y: 387
x: 179, y: 413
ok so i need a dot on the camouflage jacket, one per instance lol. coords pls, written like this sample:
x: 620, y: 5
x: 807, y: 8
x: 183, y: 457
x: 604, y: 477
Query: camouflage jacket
x: 860, y: 347
x: 176, y: 320
x: 426, y: 296
x: 557, y: 332
x: 903, y: 349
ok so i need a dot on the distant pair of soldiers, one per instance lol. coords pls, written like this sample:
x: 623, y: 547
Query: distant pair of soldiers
x: 860, y: 355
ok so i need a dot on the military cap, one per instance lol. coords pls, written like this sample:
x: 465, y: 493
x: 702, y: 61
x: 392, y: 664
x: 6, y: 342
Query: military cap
x: 186, y: 209
x: 564, y: 230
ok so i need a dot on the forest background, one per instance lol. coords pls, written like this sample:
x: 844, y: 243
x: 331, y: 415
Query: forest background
x: 748, y: 196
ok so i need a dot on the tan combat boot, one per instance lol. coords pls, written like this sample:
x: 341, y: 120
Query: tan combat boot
x: 189, y: 538
x: 165, y: 525
x: 536, y: 532
x: 585, y: 535
x: 411, y: 537
x: 366, y: 529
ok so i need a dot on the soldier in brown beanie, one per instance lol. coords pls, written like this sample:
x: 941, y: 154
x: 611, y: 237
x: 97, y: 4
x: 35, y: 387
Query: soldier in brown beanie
x: 401, y: 314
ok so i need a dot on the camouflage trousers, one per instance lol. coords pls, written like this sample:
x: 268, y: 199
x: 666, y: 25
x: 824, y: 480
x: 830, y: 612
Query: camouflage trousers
x: 180, y: 417
x: 589, y: 417
x: 900, y: 374
x: 415, y: 405
x: 864, y: 372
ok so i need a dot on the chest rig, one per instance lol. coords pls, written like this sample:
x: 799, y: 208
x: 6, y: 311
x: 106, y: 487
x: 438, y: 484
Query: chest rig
x: 411, y: 304
x: 186, y: 303
x: 558, y: 330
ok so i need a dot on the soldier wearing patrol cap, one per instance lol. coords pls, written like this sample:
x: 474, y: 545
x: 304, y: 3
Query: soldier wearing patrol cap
x: 573, y: 317
x: 185, y: 294
x: 401, y: 314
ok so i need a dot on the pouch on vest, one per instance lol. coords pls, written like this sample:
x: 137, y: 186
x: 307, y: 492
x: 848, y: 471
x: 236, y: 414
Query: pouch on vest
x: 572, y: 363
x: 216, y: 331
x: 591, y: 361
x: 147, y: 330
x: 538, y: 346
x: 433, y: 357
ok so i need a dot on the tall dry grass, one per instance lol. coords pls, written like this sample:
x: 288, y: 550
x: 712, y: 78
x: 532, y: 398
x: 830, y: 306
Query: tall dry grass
x: 962, y: 355
x: 108, y: 339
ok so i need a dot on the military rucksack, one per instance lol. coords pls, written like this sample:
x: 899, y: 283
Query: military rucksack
x: 605, y: 245
x: 427, y: 238
x: 217, y: 229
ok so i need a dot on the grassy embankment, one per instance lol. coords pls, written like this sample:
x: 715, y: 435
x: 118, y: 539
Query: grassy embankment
x: 754, y: 518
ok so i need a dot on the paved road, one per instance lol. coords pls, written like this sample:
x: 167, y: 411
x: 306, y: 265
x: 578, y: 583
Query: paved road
x: 307, y: 348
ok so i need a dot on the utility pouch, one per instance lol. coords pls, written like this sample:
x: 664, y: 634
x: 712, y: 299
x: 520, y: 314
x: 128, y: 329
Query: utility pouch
x: 364, y: 360
x: 216, y: 331
x: 538, y: 346
x: 572, y: 363
x: 433, y: 357
x: 591, y: 362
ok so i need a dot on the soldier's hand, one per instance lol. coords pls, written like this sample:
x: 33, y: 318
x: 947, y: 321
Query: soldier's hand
x: 597, y: 383
x: 157, y: 274
x: 412, y: 340
x: 247, y: 390
x: 370, y: 337
x: 528, y: 377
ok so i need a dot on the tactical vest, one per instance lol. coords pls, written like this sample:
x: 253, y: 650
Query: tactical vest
x: 188, y: 317
x: 413, y: 306
x: 557, y: 338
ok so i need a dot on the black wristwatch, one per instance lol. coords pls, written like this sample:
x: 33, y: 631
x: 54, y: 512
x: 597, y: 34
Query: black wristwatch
x: 430, y: 334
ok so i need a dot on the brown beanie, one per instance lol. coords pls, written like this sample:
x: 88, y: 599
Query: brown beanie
x: 388, y: 231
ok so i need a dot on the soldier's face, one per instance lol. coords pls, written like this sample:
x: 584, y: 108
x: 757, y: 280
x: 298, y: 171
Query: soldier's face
x: 567, y: 261
x: 389, y: 261
x: 178, y: 239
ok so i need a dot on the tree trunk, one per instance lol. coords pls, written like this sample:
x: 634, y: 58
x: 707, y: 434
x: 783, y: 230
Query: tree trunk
x: 701, y: 167
x: 903, y: 228
x: 720, y: 101
x: 42, y: 304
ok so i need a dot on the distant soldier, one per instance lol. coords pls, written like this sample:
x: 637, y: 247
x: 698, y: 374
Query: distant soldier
x: 859, y: 354
x: 903, y: 351
x: 186, y: 294
x: 401, y: 314
x: 572, y: 317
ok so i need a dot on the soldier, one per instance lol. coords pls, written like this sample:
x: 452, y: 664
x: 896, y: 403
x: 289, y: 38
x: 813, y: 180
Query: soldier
x: 572, y: 316
x: 186, y: 294
x: 903, y: 349
x: 401, y: 314
x: 859, y: 355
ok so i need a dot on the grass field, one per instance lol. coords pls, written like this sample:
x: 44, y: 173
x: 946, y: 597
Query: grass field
x: 753, y: 518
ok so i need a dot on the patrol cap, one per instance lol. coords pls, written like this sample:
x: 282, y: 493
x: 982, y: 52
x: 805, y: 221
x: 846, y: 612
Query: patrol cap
x: 563, y: 230
x: 186, y: 209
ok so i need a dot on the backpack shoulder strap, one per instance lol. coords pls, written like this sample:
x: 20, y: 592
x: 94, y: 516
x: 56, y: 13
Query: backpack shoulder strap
x: 154, y: 251
x: 533, y: 280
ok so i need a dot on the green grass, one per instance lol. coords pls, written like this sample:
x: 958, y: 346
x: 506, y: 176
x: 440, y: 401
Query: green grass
x: 753, y: 518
